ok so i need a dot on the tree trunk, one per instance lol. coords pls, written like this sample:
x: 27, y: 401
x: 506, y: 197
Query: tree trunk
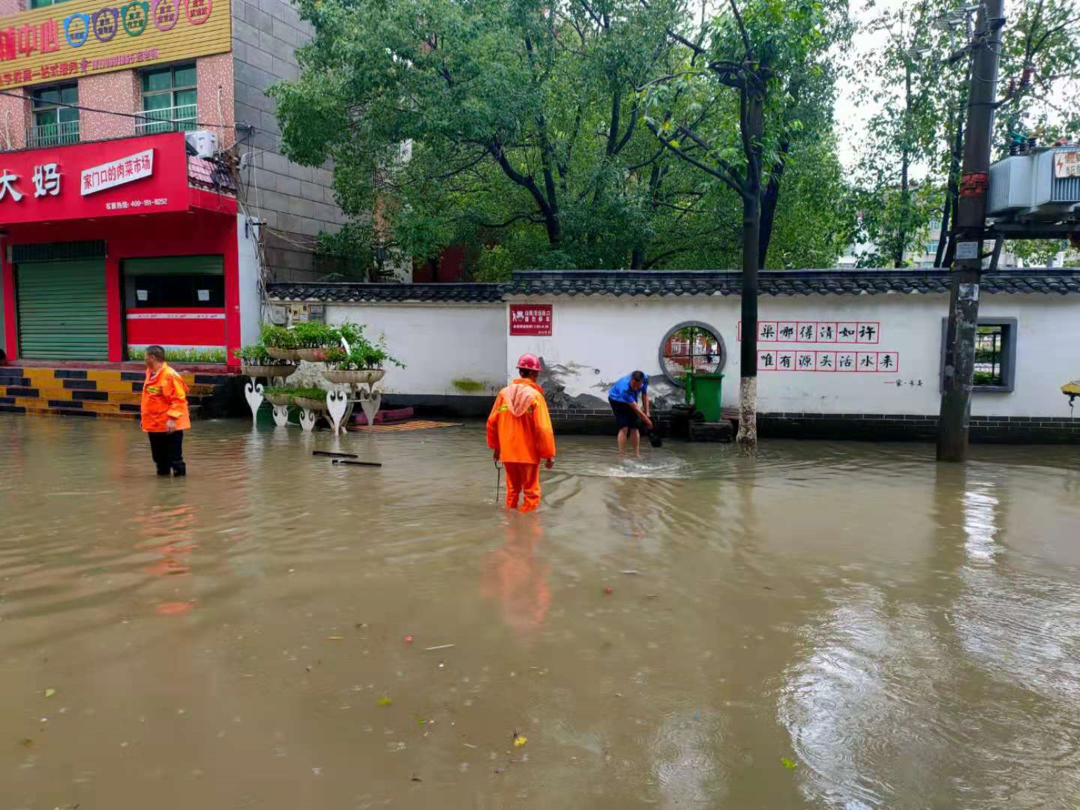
x: 769, y: 202
x: 752, y: 124
x: 905, y: 171
x: 943, y: 259
x: 747, y: 438
x: 905, y: 199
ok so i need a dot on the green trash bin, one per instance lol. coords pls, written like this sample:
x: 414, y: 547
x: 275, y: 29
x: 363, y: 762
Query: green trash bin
x: 703, y: 394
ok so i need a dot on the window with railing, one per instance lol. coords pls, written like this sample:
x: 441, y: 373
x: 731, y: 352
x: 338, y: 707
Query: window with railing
x: 989, y: 350
x: 995, y: 354
x: 54, y: 122
x: 170, y: 103
x: 44, y: 3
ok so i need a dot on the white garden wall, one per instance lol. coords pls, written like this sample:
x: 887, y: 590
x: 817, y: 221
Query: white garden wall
x: 448, y: 349
x: 598, y: 339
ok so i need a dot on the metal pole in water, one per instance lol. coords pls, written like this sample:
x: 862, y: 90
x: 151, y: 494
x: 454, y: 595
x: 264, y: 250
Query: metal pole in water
x: 970, y: 231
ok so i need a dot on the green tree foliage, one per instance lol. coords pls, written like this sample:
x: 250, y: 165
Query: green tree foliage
x: 894, y: 206
x: 910, y: 164
x: 516, y: 128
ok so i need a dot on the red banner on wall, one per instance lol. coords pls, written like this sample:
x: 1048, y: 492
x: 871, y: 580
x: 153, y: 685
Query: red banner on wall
x: 531, y: 319
x: 144, y: 175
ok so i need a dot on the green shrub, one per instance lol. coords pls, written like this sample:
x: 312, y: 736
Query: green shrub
x: 316, y: 335
x: 277, y: 337
x: 294, y: 391
x: 362, y: 354
x: 987, y: 378
x: 255, y: 356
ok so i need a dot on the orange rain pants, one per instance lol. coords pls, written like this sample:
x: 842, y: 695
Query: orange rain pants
x: 522, y: 478
x: 519, y: 431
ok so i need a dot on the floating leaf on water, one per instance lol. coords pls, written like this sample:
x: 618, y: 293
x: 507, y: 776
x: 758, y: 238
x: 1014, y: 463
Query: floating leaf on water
x: 787, y: 763
x: 386, y: 701
x: 50, y: 692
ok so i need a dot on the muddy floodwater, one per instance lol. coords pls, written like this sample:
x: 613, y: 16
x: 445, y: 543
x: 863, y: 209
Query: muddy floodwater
x: 834, y: 626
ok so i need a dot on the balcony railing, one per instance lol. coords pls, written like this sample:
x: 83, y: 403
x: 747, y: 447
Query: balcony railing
x: 169, y: 119
x: 62, y: 134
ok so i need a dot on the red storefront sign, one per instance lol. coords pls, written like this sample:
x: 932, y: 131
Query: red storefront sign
x: 531, y: 319
x: 112, y: 178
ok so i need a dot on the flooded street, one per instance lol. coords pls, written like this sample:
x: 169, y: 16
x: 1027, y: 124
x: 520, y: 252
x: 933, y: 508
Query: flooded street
x: 834, y: 626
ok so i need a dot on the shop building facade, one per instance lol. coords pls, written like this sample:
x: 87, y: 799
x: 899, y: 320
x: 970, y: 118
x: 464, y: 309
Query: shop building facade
x: 115, y: 245
x: 175, y: 252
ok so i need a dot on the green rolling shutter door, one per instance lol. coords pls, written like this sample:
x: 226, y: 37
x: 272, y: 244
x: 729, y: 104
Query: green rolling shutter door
x: 62, y: 311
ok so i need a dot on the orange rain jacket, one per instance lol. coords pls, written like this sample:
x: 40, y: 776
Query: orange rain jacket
x: 164, y: 397
x: 519, y: 426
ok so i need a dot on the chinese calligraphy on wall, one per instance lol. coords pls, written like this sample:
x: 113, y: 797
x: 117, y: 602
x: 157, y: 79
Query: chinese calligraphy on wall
x: 839, y: 361
x: 833, y: 358
x: 817, y: 332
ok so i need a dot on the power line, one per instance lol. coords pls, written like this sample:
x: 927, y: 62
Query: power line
x: 83, y: 108
x: 143, y: 117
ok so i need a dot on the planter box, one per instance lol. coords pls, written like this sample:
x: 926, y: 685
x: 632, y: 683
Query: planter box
x: 268, y: 371
x: 279, y: 401
x: 310, y: 404
x: 312, y: 355
x: 367, y: 376
x: 293, y: 355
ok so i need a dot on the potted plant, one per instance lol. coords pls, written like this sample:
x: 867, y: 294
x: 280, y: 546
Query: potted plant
x: 280, y: 396
x: 313, y: 339
x: 310, y: 399
x: 257, y: 362
x: 364, y: 362
x: 280, y: 343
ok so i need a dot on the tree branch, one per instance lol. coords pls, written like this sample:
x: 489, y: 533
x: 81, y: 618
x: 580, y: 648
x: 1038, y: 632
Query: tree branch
x: 742, y: 31
x: 727, y: 167
x: 707, y: 169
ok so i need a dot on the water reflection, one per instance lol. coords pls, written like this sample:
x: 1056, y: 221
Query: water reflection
x: 516, y: 577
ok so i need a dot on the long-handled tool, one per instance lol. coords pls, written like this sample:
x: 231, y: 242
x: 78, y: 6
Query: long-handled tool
x: 498, y: 480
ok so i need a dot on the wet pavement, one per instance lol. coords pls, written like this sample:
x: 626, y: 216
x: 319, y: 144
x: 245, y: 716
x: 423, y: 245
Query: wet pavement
x: 836, y: 626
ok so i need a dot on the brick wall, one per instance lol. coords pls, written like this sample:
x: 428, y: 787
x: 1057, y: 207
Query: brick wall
x: 14, y: 119
x: 216, y: 91
x: 118, y: 91
x: 295, y: 201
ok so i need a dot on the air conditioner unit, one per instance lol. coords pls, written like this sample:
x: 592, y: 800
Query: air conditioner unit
x: 203, y: 141
x: 1040, y: 185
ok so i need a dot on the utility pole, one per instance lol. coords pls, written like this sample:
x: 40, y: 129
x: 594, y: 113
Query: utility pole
x: 970, y: 231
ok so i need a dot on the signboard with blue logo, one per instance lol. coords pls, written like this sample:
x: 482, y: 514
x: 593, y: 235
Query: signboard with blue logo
x: 83, y: 37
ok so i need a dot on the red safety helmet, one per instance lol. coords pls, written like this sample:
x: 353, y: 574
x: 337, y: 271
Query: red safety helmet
x: 529, y: 362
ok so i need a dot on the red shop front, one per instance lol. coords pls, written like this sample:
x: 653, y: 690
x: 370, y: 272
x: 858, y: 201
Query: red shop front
x: 115, y: 245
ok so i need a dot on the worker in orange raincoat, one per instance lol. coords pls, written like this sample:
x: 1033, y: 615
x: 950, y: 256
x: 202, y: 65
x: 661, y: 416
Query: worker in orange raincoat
x: 519, y: 431
x: 165, y: 414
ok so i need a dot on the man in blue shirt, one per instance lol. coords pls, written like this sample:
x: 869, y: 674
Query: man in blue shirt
x: 631, y: 416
